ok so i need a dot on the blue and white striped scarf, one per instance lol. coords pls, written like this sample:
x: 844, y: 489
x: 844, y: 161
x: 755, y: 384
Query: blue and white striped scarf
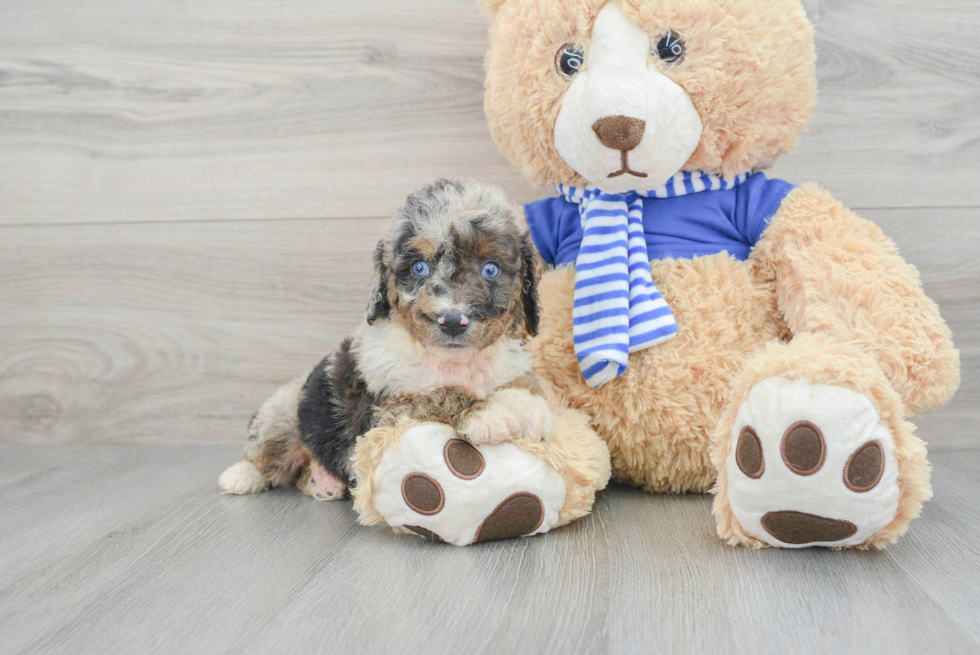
x: 618, y: 310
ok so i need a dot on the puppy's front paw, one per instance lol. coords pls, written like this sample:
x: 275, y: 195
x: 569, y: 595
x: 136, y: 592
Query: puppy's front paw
x: 511, y: 414
x: 491, y: 426
x: 537, y: 421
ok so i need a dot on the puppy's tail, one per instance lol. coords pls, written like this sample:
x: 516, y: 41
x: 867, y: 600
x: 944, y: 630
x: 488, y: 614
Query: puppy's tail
x: 275, y: 452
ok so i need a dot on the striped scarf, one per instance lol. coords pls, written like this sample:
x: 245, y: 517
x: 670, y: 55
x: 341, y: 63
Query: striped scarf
x: 618, y: 310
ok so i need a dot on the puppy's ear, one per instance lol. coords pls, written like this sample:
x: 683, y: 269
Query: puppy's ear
x: 380, y: 305
x: 529, y: 284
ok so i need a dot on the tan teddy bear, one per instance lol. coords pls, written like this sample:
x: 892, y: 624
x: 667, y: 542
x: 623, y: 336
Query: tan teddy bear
x: 724, y: 331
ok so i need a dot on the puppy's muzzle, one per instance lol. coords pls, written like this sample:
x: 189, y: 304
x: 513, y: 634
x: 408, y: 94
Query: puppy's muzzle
x: 453, y: 324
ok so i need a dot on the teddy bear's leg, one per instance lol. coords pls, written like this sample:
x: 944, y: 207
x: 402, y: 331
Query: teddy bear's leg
x: 814, y: 451
x: 421, y: 477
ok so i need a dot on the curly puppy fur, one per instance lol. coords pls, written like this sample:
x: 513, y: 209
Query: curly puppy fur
x: 455, y: 295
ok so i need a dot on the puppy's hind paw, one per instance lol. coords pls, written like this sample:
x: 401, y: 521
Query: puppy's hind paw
x: 242, y: 478
x: 321, y: 484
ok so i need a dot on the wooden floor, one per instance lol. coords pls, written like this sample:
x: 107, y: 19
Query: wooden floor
x: 130, y: 549
x: 190, y: 192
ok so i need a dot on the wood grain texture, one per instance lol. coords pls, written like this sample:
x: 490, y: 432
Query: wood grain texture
x: 116, y: 111
x: 169, y: 333
x: 174, y: 333
x: 177, y: 568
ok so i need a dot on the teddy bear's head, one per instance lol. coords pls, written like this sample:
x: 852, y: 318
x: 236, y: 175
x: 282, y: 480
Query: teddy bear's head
x: 625, y: 93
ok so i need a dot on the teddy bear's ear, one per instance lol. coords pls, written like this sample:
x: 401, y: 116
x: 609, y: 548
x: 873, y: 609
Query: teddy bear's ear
x: 491, y: 7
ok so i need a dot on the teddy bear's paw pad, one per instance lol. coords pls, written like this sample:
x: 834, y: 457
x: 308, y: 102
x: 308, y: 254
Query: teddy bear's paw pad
x: 445, y: 489
x: 465, y: 461
x: 803, y: 528
x: 517, y: 516
x: 423, y: 494
x: 812, y: 466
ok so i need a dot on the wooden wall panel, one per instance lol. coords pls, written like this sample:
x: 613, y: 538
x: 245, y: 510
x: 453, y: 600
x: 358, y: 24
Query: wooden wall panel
x: 173, y: 333
x: 164, y: 110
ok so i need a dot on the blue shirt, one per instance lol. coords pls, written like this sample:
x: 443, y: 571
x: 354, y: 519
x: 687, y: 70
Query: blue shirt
x: 684, y: 227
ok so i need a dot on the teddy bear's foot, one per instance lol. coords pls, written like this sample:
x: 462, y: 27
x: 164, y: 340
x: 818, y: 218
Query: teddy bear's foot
x: 443, y: 488
x: 811, y: 465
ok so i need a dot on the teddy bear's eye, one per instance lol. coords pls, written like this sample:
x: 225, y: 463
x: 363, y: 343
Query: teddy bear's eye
x: 670, y: 48
x: 569, y: 60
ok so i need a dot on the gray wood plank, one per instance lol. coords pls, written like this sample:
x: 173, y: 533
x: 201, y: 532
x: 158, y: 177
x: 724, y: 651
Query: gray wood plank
x: 116, y: 111
x: 683, y: 589
x: 209, y: 573
x: 949, y: 536
x: 198, y: 572
x: 62, y: 505
x: 20, y: 461
x: 175, y: 333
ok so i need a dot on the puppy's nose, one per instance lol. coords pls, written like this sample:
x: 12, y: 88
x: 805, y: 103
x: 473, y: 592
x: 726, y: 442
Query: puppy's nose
x: 453, y: 324
x: 619, y: 132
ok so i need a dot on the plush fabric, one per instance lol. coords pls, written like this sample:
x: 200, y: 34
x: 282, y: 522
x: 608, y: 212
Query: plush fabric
x: 618, y: 86
x: 466, y: 503
x: 749, y: 73
x: 795, y: 316
x: 565, y: 471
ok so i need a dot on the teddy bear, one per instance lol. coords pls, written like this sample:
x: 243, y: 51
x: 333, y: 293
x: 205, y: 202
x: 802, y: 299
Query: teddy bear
x: 724, y: 331
x: 423, y: 478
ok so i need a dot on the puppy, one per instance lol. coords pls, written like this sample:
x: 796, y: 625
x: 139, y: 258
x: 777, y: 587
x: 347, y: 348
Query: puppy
x: 455, y: 295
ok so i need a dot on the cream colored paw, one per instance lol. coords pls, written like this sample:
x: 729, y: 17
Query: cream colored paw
x: 811, y: 465
x: 510, y: 414
x: 437, y: 486
x: 242, y: 478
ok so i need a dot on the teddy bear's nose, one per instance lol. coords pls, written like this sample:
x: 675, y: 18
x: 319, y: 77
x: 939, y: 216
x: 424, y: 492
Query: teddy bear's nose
x: 619, y: 132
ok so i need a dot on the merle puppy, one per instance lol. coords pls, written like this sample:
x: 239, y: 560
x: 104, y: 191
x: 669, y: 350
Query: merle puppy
x: 454, y: 298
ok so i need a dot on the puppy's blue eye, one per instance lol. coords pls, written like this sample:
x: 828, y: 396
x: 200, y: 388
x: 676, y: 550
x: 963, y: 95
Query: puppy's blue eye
x: 420, y: 269
x: 490, y: 271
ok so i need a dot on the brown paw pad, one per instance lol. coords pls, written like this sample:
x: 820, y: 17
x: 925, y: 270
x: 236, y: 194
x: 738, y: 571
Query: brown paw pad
x: 803, y: 448
x: 519, y: 514
x: 423, y: 494
x: 428, y: 534
x: 801, y: 528
x: 463, y: 460
x: 748, y: 453
x: 865, y: 467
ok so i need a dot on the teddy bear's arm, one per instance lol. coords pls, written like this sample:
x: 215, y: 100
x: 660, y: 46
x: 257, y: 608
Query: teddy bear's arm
x: 838, y: 274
